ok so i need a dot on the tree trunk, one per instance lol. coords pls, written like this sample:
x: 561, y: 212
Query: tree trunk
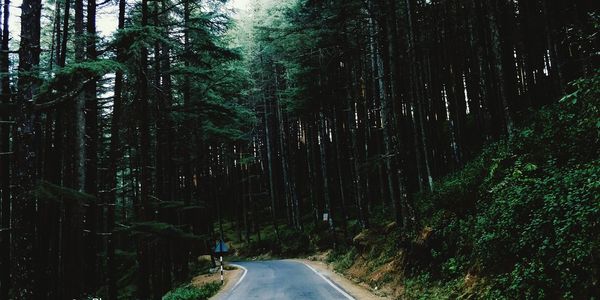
x: 55, y: 39
x: 557, y: 71
x: 144, y: 126
x: 326, y: 196
x: 165, y: 173
x: 65, y: 35
x: 498, y: 66
x: 145, y: 213
x: 5, y: 161
x: 289, y: 185
x: 310, y: 166
x: 270, y: 167
x: 187, y: 172
x: 353, y: 126
x: 246, y: 204
x: 91, y: 151
x: 24, y: 204
x: 114, y: 158
x: 343, y: 213
x: 387, y: 123
x: 79, y: 106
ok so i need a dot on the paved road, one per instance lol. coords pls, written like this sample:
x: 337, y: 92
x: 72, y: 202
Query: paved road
x: 281, y: 280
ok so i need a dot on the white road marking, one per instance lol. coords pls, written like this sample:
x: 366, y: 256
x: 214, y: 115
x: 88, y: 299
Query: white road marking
x: 331, y: 283
x: 241, y: 278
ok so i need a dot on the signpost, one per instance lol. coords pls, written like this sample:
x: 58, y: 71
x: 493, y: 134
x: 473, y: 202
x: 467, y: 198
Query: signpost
x: 221, y: 248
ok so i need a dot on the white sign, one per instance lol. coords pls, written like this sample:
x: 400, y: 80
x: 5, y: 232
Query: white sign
x: 325, y: 216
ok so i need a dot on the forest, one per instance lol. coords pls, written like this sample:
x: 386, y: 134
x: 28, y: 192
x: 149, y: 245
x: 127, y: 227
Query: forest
x: 450, y: 145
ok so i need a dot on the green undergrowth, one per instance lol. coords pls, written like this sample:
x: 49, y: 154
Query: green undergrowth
x: 190, y: 292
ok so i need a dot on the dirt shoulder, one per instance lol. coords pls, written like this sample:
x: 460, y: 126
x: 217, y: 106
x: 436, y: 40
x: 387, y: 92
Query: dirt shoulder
x: 357, y: 290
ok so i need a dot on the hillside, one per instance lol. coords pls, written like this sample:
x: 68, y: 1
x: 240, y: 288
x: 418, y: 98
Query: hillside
x: 519, y: 221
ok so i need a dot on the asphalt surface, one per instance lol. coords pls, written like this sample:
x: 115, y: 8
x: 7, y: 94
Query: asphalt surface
x: 281, y: 280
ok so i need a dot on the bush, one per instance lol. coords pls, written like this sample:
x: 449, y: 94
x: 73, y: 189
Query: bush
x: 294, y: 242
x: 543, y: 231
x: 190, y: 292
x: 342, y: 259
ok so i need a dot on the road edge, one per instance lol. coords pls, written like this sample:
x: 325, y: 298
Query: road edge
x: 229, y: 284
x: 335, y: 286
x: 241, y: 278
x: 355, y: 290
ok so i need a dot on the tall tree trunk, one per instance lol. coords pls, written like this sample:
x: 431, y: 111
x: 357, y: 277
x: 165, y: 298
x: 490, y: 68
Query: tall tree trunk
x: 475, y: 78
x: 353, y: 126
x: 417, y: 99
x: 270, y: 167
x: 114, y: 158
x: 5, y: 161
x: 336, y: 131
x: 65, y: 35
x: 557, y: 71
x: 167, y: 87
x: 144, y: 125
x: 310, y: 166
x: 496, y: 46
x: 290, y: 192
x: 54, y: 162
x: 377, y: 86
x: 187, y: 153
x: 246, y: 202
x: 165, y: 172
x: 78, y: 142
x: 145, y: 213
x: 56, y: 36
x: 387, y: 123
x: 91, y: 171
x: 160, y: 111
x: 24, y: 204
x: 326, y: 196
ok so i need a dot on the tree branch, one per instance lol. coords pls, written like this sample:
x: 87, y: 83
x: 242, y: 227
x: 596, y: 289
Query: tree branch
x: 64, y: 98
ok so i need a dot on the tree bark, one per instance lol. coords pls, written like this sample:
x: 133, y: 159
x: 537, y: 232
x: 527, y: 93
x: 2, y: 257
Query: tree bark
x: 496, y: 46
x: 91, y: 154
x: 338, y: 156
x: 289, y: 185
x: 5, y: 161
x: 65, y: 35
x: 353, y: 126
x: 114, y: 158
x: 387, y: 124
x: 79, y: 106
x: 24, y: 204
x: 144, y: 126
x: 270, y: 167
x: 326, y: 196
x: 145, y: 213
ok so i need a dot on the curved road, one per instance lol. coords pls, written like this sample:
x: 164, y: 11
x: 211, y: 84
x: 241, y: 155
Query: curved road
x: 281, y: 280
